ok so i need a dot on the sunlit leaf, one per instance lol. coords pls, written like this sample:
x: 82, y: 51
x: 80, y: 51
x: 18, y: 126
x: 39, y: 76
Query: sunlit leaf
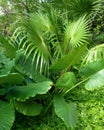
x: 66, y: 111
x: 76, y: 34
x: 96, y: 81
x: 22, y: 93
x: 91, y: 68
x: 66, y: 80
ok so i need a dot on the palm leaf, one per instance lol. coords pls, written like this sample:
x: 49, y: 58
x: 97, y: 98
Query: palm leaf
x: 33, y: 42
x: 53, y: 24
x: 78, y: 8
x: 53, y: 27
x: 94, y: 54
x: 76, y: 34
x: 37, y: 44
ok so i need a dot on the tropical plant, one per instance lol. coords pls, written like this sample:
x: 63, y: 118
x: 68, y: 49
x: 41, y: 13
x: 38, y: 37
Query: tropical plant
x: 74, y: 9
x: 10, y: 81
x: 44, y: 56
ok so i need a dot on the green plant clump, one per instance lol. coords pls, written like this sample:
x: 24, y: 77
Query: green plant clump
x: 51, y: 77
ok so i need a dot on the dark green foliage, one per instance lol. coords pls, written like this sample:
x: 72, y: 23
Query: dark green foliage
x: 68, y: 60
x: 7, y: 115
x: 45, y: 59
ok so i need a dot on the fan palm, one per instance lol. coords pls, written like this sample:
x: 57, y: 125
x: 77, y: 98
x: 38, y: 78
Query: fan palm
x: 46, y: 37
x: 76, y: 8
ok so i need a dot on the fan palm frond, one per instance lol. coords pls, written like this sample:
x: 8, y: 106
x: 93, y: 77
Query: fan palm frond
x: 31, y: 38
x: 81, y: 7
x: 77, y: 8
x: 54, y: 27
x: 76, y: 34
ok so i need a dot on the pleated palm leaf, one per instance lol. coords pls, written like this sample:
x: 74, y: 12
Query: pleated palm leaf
x: 33, y: 42
x: 81, y: 7
x: 77, y: 8
x: 55, y: 27
x: 37, y: 33
x: 76, y: 34
x: 94, y: 54
x: 46, y: 37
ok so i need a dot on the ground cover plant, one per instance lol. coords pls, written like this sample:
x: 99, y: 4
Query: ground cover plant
x: 47, y: 61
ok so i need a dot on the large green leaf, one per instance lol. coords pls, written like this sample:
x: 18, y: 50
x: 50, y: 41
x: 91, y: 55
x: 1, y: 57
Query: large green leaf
x: 94, y: 73
x: 7, y: 116
x: 29, y: 108
x: 66, y: 111
x: 96, y: 81
x: 11, y: 78
x: 22, y: 93
x: 9, y: 48
x: 7, y: 67
x: 68, y: 60
x: 91, y: 68
x: 66, y: 80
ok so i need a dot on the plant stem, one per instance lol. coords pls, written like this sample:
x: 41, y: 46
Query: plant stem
x: 48, y: 107
x: 76, y: 85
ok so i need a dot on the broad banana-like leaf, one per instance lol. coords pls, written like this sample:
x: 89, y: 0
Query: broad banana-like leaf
x: 29, y: 108
x: 91, y: 68
x: 11, y: 78
x: 68, y: 60
x: 22, y: 93
x: 66, y: 111
x: 96, y: 81
x: 66, y: 80
x: 7, y: 116
x: 95, y: 73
